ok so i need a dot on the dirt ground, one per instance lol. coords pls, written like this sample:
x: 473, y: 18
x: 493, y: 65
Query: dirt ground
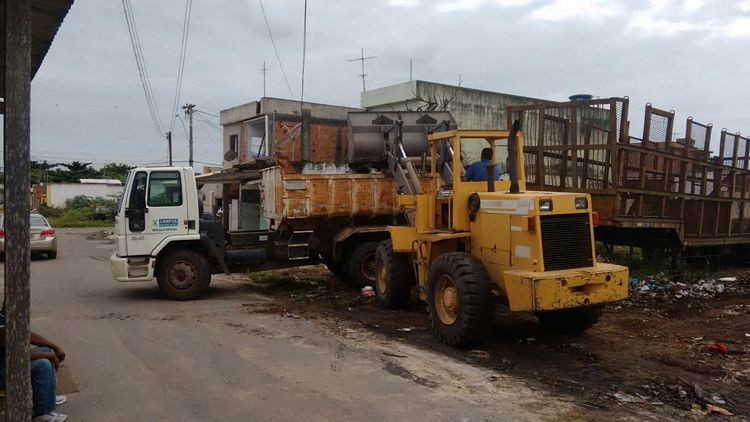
x: 648, y: 357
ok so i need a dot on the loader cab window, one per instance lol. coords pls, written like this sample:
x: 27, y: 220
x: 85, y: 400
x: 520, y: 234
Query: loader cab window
x: 165, y: 189
x: 136, y: 207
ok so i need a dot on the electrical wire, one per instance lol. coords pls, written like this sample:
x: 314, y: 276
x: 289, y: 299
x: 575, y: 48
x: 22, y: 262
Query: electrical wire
x: 181, y: 65
x: 278, y: 58
x: 141, y: 65
x: 205, y: 112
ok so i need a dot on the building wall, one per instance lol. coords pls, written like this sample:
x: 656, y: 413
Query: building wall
x: 328, y: 134
x: 58, y: 193
x: 471, y: 108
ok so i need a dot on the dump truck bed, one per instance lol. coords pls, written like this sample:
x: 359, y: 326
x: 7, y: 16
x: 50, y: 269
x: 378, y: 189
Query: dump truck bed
x: 301, y: 196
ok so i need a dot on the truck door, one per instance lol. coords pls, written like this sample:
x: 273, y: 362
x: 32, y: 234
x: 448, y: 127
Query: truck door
x: 157, y: 209
x: 135, y: 214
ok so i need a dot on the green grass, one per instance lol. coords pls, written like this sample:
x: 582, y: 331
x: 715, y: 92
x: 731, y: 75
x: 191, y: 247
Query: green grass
x: 78, y: 217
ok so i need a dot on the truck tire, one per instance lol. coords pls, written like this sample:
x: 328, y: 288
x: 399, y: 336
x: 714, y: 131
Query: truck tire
x: 362, y: 265
x: 570, y: 321
x: 183, y: 275
x: 338, y: 268
x: 459, y: 296
x: 394, y: 277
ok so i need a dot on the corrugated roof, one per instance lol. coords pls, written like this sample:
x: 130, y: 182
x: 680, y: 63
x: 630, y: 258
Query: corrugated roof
x: 46, y: 18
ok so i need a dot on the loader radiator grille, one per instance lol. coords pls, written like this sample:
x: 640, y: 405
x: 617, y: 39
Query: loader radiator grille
x: 566, y: 241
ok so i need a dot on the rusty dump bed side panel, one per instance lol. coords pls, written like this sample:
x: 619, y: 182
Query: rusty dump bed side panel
x: 300, y: 196
x: 690, y: 185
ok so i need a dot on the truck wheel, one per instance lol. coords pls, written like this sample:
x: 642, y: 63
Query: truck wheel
x: 362, y: 264
x: 394, y: 276
x: 570, y: 321
x: 459, y: 298
x: 335, y: 267
x: 183, y: 275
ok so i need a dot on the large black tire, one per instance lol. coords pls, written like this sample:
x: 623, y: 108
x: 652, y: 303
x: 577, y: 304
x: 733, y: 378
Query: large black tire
x: 51, y: 254
x: 570, y: 321
x: 183, y: 275
x: 337, y: 268
x: 459, y: 296
x: 360, y: 264
x: 394, y: 276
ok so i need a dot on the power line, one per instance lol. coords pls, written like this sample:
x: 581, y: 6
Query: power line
x: 206, y: 113
x: 278, y: 58
x: 181, y: 65
x: 304, y: 51
x: 141, y: 65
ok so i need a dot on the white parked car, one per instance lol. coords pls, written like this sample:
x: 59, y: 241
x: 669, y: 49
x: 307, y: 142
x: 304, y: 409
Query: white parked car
x: 42, y: 236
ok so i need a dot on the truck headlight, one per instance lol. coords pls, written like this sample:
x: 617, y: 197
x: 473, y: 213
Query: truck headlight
x: 582, y: 203
x: 545, y: 205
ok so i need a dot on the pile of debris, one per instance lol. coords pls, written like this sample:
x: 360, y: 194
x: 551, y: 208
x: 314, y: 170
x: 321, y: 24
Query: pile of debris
x: 662, y: 286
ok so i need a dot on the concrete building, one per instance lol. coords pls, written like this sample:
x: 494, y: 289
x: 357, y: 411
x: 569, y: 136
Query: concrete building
x: 471, y: 108
x: 270, y: 126
x: 55, y: 194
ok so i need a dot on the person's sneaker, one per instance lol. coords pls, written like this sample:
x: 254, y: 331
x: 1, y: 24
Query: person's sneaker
x: 60, y: 399
x: 51, y: 417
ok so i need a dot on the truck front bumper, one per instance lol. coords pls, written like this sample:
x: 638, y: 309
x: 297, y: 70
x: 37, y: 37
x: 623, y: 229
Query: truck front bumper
x: 132, y: 269
x: 552, y: 290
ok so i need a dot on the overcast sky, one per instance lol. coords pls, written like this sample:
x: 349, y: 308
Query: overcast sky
x: 88, y: 104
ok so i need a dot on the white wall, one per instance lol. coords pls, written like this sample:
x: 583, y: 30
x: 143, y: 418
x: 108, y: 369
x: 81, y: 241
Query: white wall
x: 58, y: 193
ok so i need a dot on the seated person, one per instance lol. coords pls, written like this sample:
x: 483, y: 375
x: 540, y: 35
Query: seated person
x: 478, y: 171
x: 45, y: 360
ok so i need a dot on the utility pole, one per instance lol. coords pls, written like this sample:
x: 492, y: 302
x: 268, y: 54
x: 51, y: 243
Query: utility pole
x: 264, y: 69
x: 17, y: 73
x: 169, y: 143
x: 410, y: 69
x: 189, y: 113
x: 362, y: 59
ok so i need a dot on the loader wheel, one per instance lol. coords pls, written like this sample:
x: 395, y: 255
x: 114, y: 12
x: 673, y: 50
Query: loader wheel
x: 394, y: 277
x: 459, y: 298
x: 183, y: 275
x: 570, y: 321
x: 362, y: 265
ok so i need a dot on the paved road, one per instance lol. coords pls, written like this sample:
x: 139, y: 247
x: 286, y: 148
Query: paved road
x: 136, y: 357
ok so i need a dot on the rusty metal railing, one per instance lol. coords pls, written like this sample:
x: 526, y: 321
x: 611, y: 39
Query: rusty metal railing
x: 586, y: 146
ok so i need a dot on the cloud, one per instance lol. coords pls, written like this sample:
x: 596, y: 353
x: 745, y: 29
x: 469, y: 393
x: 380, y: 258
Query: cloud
x: 648, y: 24
x: 562, y: 10
x: 738, y: 28
x: 455, y: 5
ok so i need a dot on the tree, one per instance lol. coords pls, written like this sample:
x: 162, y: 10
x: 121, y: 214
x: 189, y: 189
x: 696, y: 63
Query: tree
x: 76, y: 171
x: 40, y: 171
x: 115, y: 171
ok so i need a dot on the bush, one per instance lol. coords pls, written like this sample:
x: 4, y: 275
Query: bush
x: 49, y: 212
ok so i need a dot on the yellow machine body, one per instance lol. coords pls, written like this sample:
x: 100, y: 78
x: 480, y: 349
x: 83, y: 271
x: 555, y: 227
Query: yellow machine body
x: 505, y: 232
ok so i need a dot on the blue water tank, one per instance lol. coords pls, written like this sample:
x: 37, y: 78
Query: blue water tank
x: 581, y: 97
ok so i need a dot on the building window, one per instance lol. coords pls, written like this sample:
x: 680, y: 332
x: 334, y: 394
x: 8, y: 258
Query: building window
x: 234, y: 143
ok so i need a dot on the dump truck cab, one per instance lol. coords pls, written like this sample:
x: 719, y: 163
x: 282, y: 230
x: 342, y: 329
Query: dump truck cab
x: 472, y: 242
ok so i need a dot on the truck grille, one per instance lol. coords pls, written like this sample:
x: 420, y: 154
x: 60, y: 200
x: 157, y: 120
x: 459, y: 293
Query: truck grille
x: 566, y: 241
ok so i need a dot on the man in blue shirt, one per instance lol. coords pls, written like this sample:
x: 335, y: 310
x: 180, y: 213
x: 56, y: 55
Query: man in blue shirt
x: 478, y: 171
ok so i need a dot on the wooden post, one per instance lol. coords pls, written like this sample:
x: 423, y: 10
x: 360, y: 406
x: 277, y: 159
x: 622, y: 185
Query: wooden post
x: 17, y: 254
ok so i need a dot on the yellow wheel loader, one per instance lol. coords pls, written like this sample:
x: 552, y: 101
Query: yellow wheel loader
x: 471, y: 245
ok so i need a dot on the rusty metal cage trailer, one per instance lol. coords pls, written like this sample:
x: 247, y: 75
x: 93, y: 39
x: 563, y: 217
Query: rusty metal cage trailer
x: 654, y: 192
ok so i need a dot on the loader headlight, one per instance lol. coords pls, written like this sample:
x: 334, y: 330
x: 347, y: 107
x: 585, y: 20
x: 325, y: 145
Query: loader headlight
x: 545, y: 205
x: 582, y: 203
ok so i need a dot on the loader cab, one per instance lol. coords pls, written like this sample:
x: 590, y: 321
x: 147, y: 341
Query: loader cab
x: 157, y: 204
x: 451, y: 196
